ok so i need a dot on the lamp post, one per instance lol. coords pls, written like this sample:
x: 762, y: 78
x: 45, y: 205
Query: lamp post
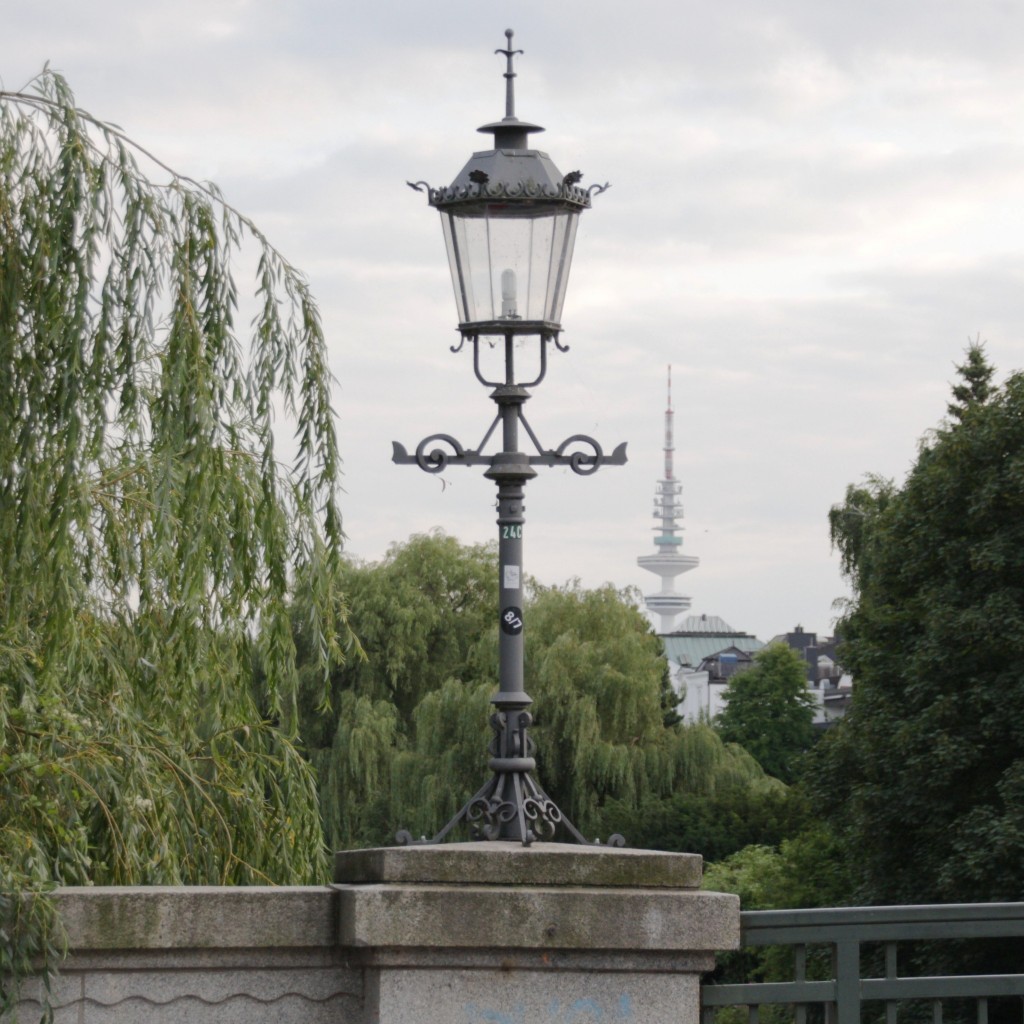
x: 509, y: 221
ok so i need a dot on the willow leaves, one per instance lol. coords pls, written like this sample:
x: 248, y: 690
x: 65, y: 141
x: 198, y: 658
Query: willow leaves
x: 405, y: 742
x: 149, y: 536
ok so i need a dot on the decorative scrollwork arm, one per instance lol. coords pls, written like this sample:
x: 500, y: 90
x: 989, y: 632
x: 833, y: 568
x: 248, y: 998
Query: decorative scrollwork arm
x: 582, y: 463
x: 436, y: 459
x: 430, y: 460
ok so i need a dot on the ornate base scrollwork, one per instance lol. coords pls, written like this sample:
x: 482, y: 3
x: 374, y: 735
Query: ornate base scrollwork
x: 511, y: 805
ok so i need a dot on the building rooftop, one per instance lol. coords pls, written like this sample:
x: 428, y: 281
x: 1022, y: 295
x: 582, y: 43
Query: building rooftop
x: 711, y: 624
x: 691, y: 647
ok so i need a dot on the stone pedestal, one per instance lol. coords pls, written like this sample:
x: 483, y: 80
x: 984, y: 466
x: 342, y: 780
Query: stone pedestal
x: 498, y: 933
x: 470, y: 933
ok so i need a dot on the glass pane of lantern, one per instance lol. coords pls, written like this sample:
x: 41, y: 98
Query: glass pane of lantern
x: 509, y: 261
x: 459, y: 243
x: 562, y: 241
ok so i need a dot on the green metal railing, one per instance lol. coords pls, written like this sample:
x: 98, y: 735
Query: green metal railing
x: 847, y: 931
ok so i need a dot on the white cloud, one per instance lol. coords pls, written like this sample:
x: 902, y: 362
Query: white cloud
x: 813, y: 207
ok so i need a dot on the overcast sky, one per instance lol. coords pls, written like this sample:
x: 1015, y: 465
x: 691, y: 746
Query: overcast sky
x: 814, y: 205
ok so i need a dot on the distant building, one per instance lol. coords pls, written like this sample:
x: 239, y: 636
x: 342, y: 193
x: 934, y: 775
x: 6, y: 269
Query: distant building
x: 703, y: 656
x: 826, y: 678
x: 707, y: 652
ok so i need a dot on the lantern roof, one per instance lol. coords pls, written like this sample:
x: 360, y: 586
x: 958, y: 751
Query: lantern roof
x: 512, y: 171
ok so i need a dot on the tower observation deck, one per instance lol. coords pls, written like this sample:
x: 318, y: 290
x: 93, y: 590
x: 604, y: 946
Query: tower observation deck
x: 668, y: 561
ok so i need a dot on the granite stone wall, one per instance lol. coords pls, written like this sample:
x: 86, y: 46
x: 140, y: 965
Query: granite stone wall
x: 472, y: 933
x: 231, y: 955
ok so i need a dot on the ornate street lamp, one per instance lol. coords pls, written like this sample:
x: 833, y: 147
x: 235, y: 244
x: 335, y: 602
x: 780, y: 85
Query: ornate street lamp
x: 509, y: 221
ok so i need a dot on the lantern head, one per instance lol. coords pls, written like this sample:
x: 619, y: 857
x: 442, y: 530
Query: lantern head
x: 509, y: 221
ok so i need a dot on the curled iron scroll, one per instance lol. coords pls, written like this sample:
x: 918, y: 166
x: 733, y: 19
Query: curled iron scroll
x: 580, y: 462
x: 494, y: 811
x: 436, y: 460
x: 543, y: 815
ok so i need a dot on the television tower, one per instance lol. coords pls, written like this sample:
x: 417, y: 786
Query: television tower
x: 668, y: 562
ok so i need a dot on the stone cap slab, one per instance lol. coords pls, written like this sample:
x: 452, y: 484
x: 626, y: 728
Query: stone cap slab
x: 502, y: 863
x: 197, y: 917
x: 533, y: 918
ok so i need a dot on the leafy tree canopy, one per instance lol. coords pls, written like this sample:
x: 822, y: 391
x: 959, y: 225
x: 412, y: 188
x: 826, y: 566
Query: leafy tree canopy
x: 716, y: 824
x: 925, y: 777
x: 806, y: 870
x: 405, y: 741
x: 769, y: 710
x: 148, y: 533
x: 406, y: 729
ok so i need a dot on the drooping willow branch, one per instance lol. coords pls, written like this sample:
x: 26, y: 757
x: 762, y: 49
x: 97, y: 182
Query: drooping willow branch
x: 153, y: 545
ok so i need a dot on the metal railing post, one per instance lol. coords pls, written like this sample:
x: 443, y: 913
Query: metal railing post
x: 848, y: 982
x: 890, y: 973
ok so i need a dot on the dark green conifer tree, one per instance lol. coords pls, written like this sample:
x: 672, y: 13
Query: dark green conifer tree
x: 925, y: 777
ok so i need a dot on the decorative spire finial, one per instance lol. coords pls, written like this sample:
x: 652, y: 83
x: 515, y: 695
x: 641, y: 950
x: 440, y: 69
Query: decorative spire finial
x: 669, y: 444
x: 510, y: 89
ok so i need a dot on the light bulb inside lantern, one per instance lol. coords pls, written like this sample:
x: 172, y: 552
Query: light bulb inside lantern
x: 508, y: 293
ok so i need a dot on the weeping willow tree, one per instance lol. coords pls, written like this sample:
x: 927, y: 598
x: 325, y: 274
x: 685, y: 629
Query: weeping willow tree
x: 407, y: 728
x: 149, y: 535
x: 406, y: 741
x: 595, y: 670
